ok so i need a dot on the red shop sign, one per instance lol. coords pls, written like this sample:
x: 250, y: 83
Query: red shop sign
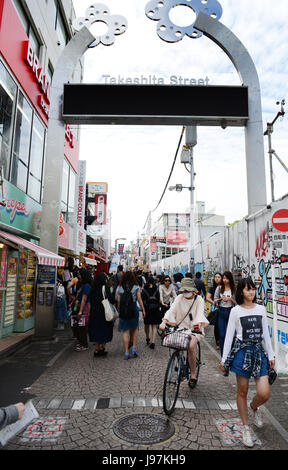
x: 21, y: 59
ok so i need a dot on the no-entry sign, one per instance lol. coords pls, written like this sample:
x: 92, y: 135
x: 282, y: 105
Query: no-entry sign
x: 280, y: 220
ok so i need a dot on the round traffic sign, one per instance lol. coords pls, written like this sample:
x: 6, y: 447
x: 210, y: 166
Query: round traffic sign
x: 280, y: 220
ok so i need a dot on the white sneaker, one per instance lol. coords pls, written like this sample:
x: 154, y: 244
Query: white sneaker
x: 246, y: 436
x: 258, y: 421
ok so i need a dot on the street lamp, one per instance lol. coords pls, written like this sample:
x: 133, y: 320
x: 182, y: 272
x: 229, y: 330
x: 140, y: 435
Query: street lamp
x: 187, y: 157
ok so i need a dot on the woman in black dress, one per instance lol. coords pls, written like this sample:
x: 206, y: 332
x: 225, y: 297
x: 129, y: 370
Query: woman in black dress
x: 151, y: 299
x: 100, y: 330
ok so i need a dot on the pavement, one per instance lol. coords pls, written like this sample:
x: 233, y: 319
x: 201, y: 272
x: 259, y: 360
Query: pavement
x: 79, y: 399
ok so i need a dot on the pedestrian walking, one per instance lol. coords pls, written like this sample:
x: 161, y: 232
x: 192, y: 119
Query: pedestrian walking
x: 128, y: 295
x: 151, y: 300
x: 200, y: 285
x: 246, y: 357
x: 100, y: 330
x: 81, y: 311
x: 177, y: 278
x: 217, y: 280
x: 116, y: 279
x: 167, y: 294
x: 60, y: 306
x: 225, y: 299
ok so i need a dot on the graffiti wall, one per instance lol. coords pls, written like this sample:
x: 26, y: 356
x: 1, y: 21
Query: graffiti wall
x: 248, y: 248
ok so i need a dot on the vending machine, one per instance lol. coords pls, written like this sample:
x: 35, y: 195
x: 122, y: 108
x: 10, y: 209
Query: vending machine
x: 45, y: 298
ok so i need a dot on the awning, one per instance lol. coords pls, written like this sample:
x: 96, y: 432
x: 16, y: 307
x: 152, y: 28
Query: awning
x: 44, y: 256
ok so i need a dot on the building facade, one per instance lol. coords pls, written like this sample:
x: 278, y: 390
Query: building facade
x: 32, y: 37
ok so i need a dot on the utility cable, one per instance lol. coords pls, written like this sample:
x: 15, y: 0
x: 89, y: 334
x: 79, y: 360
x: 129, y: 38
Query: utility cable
x: 171, y: 171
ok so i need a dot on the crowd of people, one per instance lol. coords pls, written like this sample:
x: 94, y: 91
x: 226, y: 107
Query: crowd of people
x: 240, y: 324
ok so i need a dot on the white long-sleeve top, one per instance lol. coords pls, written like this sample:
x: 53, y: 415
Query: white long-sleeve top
x: 180, y: 307
x: 250, y: 324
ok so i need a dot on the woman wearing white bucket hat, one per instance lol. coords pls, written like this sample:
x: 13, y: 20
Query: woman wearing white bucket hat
x: 195, y: 321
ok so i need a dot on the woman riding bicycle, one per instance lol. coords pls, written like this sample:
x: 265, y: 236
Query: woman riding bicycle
x: 195, y: 321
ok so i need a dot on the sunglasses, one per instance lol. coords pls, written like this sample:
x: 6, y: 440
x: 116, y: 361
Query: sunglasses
x: 167, y: 280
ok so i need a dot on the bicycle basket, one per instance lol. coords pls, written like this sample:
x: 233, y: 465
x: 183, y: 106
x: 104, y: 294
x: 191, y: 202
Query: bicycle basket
x: 177, y: 340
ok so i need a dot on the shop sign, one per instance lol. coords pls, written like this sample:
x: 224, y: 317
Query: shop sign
x: 81, y: 193
x: 69, y: 136
x: 153, y: 247
x: 81, y: 240
x: 3, y: 265
x: 34, y: 64
x: 100, y: 208
x: 20, y: 211
x: 64, y: 234
x: 97, y: 188
x: 176, y: 237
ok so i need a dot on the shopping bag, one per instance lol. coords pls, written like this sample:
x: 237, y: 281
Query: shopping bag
x: 110, y: 311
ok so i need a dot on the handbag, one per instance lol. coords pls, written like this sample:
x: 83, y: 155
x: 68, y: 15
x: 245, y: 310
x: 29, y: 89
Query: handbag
x: 272, y: 375
x: 213, y: 315
x: 179, y: 339
x: 110, y: 311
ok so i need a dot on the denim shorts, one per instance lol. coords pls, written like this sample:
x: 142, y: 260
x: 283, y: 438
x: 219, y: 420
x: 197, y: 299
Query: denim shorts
x: 237, y: 364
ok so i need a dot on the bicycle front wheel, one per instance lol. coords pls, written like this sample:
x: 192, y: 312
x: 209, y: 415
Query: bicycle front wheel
x: 198, y: 360
x: 171, y: 384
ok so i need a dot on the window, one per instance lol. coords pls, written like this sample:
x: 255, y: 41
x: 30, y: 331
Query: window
x: 71, y: 197
x: 21, y: 143
x: 60, y: 25
x: 28, y: 150
x: 68, y: 193
x: 8, y: 92
x: 27, y: 26
x: 36, y: 160
x: 65, y: 189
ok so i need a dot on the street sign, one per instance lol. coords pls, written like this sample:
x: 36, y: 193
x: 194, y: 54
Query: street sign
x: 280, y: 220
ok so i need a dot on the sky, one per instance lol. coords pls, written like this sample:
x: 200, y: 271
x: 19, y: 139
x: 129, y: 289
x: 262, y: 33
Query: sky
x: 135, y: 161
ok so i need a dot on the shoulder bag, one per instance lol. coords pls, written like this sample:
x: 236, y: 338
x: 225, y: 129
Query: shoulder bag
x: 110, y: 311
x: 178, y: 339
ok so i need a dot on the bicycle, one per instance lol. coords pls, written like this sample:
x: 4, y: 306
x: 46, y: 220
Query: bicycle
x: 177, y: 370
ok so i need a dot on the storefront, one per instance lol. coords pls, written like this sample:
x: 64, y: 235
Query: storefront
x: 24, y: 109
x: 20, y: 261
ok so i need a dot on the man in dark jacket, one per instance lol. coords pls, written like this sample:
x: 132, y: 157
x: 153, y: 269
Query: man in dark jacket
x: 116, y: 279
x: 200, y: 285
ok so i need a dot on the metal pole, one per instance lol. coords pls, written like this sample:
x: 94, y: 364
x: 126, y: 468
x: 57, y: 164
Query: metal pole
x: 275, y: 320
x: 191, y: 141
x: 270, y: 151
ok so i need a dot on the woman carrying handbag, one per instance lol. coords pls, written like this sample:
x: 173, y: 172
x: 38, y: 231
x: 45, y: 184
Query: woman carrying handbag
x: 100, y: 330
x: 82, y: 311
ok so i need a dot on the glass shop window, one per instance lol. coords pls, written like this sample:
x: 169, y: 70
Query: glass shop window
x: 8, y: 93
x: 65, y: 189
x: 71, y: 197
x: 36, y: 160
x: 60, y: 26
x: 21, y: 143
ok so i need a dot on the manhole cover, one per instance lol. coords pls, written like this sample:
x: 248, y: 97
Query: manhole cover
x: 143, y: 429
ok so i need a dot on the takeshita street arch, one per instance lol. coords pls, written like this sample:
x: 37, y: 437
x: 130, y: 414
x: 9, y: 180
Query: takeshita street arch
x: 249, y: 115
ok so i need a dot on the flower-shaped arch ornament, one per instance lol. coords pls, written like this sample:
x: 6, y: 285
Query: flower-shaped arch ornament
x: 158, y: 10
x: 98, y: 12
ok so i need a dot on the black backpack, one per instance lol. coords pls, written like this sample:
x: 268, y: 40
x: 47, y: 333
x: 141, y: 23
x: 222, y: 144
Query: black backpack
x: 152, y: 300
x: 127, y: 305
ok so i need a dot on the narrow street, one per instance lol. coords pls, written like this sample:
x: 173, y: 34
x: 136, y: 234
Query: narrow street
x: 79, y: 399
